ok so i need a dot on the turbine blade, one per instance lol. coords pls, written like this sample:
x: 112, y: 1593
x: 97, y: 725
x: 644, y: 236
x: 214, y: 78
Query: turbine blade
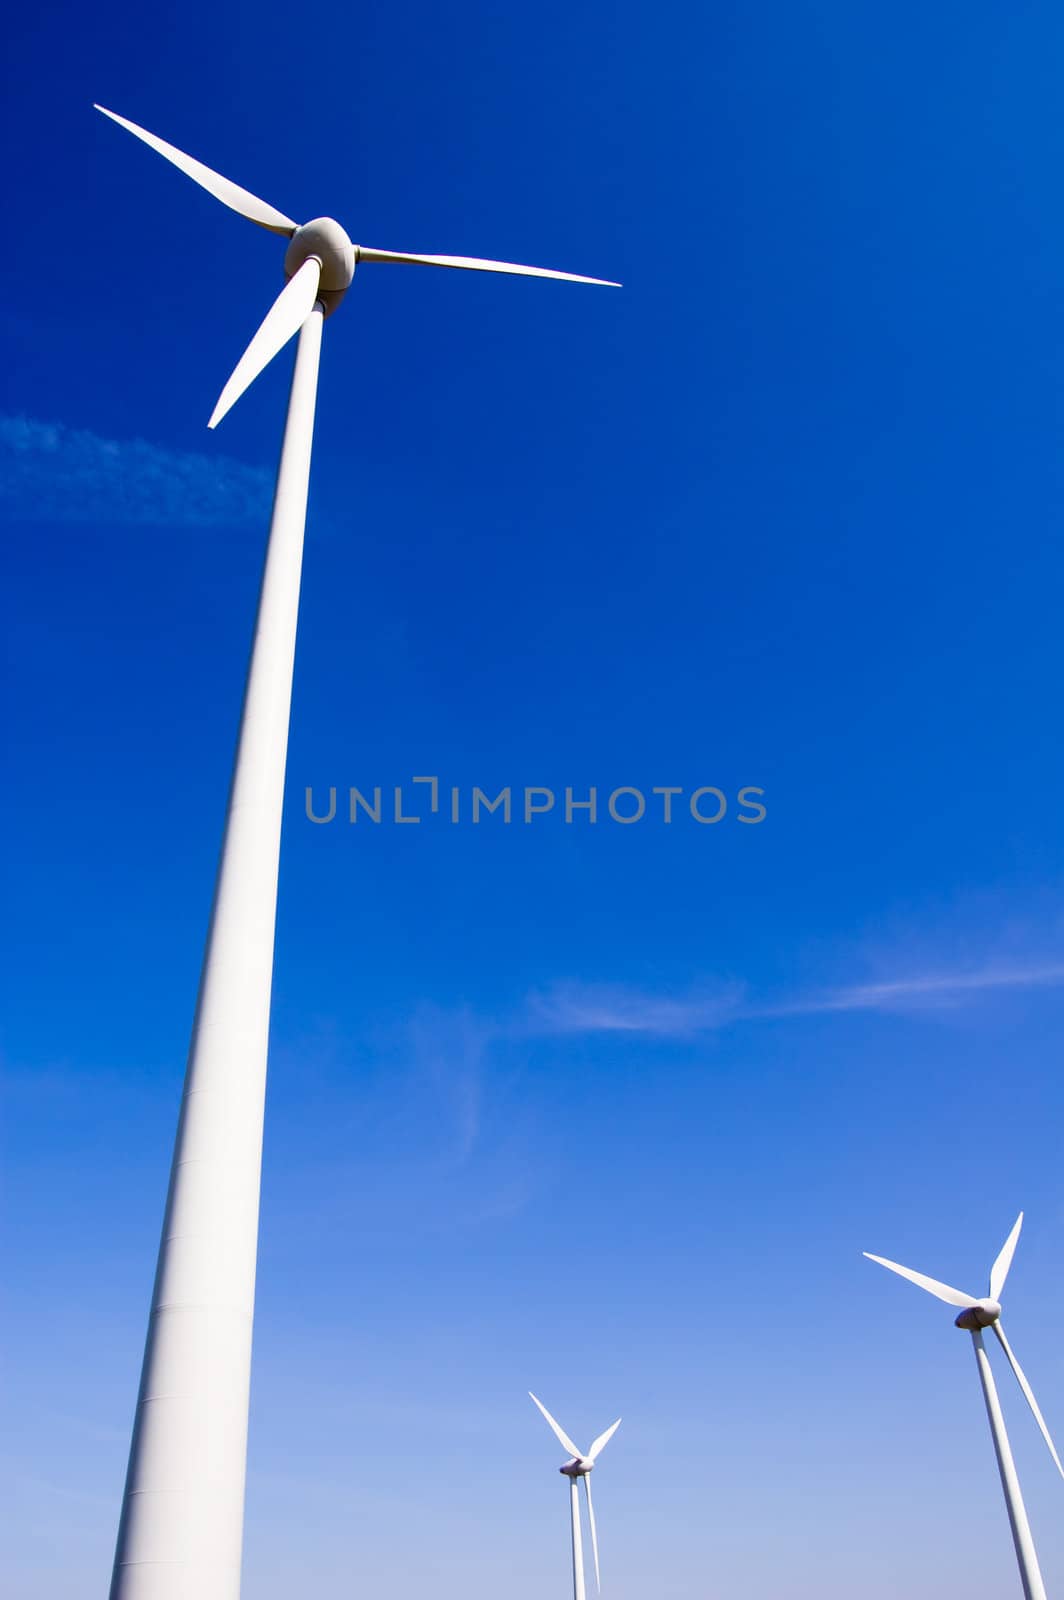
x: 602, y: 1441
x: 953, y: 1297
x: 475, y: 264
x: 559, y: 1432
x: 1028, y: 1394
x: 285, y: 317
x: 594, y: 1535
x: 230, y: 194
x: 1000, y: 1270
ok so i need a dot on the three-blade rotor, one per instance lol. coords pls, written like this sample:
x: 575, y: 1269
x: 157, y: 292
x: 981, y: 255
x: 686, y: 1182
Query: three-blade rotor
x: 294, y: 304
x: 984, y: 1313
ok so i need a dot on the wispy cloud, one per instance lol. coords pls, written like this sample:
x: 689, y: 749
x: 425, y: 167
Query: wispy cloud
x: 422, y: 1120
x: 939, y: 990
x: 446, y: 1053
x: 573, y: 1008
x: 52, y: 473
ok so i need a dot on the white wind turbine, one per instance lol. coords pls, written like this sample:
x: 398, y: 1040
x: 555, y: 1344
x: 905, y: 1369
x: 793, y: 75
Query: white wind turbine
x: 580, y: 1467
x: 181, y: 1526
x: 977, y: 1314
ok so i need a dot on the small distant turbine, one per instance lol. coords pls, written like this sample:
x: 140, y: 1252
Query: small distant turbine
x: 977, y: 1314
x: 580, y: 1467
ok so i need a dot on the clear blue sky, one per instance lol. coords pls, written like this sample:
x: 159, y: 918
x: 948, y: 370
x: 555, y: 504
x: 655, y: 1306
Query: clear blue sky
x: 604, y: 1111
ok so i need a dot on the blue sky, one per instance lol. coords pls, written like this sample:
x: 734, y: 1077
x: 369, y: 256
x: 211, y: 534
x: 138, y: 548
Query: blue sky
x: 604, y: 1111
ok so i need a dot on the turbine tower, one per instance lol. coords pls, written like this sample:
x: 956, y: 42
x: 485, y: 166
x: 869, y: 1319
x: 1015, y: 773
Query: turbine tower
x: 181, y: 1527
x: 975, y: 1315
x: 579, y: 1467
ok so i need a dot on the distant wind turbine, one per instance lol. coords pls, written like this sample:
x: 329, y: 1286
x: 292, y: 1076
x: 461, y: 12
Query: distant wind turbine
x: 977, y: 1314
x: 580, y: 1467
x: 181, y: 1527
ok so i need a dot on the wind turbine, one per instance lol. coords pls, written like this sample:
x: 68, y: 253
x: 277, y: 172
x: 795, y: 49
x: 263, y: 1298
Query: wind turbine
x: 975, y: 1315
x: 580, y: 1467
x: 181, y: 1526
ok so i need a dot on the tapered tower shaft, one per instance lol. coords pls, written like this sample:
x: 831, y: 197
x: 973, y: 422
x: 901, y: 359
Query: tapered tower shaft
x: 578, y: 1548
x: 181, y: 1528
x: 1030, y: 1575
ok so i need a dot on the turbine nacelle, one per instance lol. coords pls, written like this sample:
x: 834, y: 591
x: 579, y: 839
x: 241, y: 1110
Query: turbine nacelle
x: 982, y: 1315
x: 577, y: 1468
x: 325, y: 241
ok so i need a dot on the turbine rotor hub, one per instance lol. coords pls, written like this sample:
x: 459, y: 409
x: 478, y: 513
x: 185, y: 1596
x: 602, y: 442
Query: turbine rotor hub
x: 982, y: 1315
x: 577, y: 1469
x: 325, y: 239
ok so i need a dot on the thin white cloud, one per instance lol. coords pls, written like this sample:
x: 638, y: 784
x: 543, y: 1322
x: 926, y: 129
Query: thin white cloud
x: 942, y: 989
x: 52, y: 473
x: 426, y: 1124
x: 446, y: 1053
x: 574, y: 1008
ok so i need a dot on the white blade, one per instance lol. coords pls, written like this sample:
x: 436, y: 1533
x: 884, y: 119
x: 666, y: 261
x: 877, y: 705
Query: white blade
x: 594, y: 1535
x: 559, y: 1432
x: 602, y: 1441
x: 1000, y: 1270
x: 475, y: 264
x: 230, y: 194
x: 284, y: 319
x: 953, y: 1297
x: 1028, y: 1395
